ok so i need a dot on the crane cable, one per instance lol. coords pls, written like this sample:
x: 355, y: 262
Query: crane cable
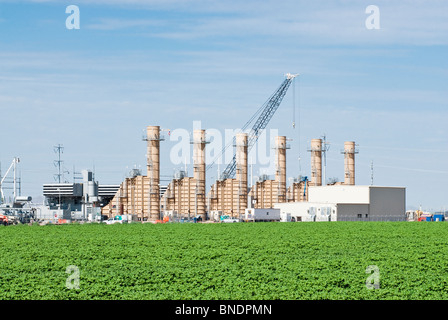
x: 294, y: 116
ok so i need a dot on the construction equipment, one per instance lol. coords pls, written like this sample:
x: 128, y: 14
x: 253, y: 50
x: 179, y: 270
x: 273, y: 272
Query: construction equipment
x: 8, y: 220
x: 4, y: 219
x: 305, y: 182
x: 13, y: 166
x: 264, y: 114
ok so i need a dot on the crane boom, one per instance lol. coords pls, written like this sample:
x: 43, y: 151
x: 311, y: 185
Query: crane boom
x: 13, y: 165
x: 268, y: 110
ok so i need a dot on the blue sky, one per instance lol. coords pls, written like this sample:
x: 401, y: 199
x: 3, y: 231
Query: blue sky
x: 170, y: 63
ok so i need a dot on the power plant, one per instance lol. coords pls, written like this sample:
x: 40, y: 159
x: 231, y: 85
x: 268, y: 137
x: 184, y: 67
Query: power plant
x: 230, y: 195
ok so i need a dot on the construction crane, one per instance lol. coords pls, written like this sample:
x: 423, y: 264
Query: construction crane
x: 13, y: 166
x: 264, y: 114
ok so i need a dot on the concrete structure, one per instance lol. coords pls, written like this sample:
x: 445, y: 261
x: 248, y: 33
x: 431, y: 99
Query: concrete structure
x: 140, y: 195
x: 153, y: 171
x: 265, y: 193
x: 298, y: 191
x: 179, y: 198
x: 349, y: 161
x: 131, y: 198
x: 241, y: 170
x: 280, y: 173
x: 349, y: 203
x: 185, y: 196
x: 199, y: 172
x: 229, y: 196
x: 316, y: 162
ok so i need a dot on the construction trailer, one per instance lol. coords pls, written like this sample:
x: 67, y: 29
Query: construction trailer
x: 262, y: 215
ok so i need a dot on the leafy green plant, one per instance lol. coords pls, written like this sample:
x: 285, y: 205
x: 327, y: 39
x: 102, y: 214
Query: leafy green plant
x: 225, y: 261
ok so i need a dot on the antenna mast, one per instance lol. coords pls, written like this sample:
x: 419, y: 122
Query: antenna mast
x: 325, y: 148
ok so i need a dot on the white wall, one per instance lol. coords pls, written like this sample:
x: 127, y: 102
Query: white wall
x: 308, y: 211
x: 339, y: 194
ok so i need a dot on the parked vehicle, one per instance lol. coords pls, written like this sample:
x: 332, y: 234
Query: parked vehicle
x: 229, y: 219
x: 8, y: 220
x: 125, y: 218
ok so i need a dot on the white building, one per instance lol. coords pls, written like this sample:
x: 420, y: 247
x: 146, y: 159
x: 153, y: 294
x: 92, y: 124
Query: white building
x: 348, y: 203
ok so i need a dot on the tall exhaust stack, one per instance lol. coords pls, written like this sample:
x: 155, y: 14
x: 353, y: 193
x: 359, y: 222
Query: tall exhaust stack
x: 349, y: 161
x: 280, y: 174
x: 241, y: 170
x: 199, y: 171
x: 153, y: 169
x: 316, y: 162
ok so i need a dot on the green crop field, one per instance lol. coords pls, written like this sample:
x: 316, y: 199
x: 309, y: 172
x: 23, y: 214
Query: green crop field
x: 225, y: 261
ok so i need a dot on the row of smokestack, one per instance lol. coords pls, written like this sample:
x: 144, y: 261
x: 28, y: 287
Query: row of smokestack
x: 199, y: 142
x: 316, y: 162
x: 153, y: 169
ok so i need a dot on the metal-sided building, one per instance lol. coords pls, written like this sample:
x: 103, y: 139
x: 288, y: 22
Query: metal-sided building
x: 349, y: 203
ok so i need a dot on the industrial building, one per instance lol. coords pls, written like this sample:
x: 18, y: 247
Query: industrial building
x: 349, y: 203
x: 185, y: 196
x: 304, y: 200
x: 140, y: 195
x: 75, y: 201
x: 230, y: 195
x: 265, y: 193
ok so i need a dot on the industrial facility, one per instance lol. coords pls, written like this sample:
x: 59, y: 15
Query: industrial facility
x: 231, y: 196
x: 304, y: 200
x: 75, y: 201
x: 348, y: 203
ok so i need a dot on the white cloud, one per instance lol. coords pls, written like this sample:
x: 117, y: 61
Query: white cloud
x: 115, y: 24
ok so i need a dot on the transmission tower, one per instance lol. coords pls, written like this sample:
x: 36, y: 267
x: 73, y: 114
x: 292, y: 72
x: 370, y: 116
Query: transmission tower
x: 59, y: 164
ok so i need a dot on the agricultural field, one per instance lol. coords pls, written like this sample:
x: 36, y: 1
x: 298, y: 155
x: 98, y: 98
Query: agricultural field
x: 239, y: 261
